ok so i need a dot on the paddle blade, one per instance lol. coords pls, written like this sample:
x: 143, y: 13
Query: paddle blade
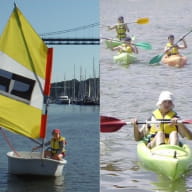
x: 110, y: 124
x: 156, y: 59
x: 144, y: 45
x: 187, y: 121
x: 142, y: 21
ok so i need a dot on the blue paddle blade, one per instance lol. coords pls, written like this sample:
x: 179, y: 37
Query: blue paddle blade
x: 156, y: 59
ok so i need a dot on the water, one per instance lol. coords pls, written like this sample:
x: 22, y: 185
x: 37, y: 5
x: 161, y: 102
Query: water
x: 128, y: 92
x: 79, y: 124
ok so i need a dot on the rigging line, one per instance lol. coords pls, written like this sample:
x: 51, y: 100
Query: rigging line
x: 8, y: 142
x: 71, y: 30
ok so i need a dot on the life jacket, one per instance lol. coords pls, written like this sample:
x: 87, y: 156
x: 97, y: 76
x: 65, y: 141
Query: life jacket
x: 121, y: 31
x: 173, y: 51
x: 165, y: 127
x: 126, y: 49
x: 57, y: 144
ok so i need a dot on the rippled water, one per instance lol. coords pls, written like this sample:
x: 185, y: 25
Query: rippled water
x: 132, y: 91
x: 79, y: 124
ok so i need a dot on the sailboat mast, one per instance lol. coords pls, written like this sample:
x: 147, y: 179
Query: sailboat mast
x: 46, y: 96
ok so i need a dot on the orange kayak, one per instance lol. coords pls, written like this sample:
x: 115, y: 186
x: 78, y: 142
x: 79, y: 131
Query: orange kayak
x: 175, y: 60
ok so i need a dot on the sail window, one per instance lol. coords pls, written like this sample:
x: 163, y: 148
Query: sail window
x: 16, y: 86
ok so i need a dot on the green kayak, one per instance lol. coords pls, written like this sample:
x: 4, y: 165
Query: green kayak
x: 124, y: 58
x: 111, y: 43
x: 169, y: 160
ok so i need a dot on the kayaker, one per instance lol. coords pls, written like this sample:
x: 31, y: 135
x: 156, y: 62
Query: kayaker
x: 126, y: 47
x: 171, y: 48
x: 121, y: 28
x: 157, y: 134
x: 57, y: 146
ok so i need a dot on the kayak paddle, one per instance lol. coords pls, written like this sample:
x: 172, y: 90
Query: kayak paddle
x: 144, y: 45
x: 144, y: 20
x: 158, y: 58
x: 112, y: 124
x: 140, y: 21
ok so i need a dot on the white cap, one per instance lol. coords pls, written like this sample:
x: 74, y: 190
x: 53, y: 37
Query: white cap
x: 164, y: 96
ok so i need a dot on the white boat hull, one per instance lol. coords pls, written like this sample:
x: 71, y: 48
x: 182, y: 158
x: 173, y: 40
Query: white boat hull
x: 31, y: 163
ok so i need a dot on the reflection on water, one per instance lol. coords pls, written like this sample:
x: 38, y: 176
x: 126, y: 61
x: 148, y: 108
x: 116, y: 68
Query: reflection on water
x: 35, y: 183
x: 164, y: 184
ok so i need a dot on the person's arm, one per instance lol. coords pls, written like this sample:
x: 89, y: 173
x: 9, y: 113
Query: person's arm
x: 184, y: 46
x: 118, y: 48
x: 184, y: 131
x: 135, y: 50
x: 127, y: 28
x: 138, y: 134
x: 111, y: 27
x: 61, y: 146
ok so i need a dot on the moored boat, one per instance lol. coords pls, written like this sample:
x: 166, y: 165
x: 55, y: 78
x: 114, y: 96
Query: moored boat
x: 124, y: 58
x: 169, y: 160
x: 174, y: 60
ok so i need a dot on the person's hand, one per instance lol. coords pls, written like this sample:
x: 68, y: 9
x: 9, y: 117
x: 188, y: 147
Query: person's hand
x: 134, y: 122
x: 174, y: 121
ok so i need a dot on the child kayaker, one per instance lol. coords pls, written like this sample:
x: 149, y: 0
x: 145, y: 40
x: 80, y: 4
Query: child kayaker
x: 157, y: 134
x: 57, y: 146
x: 121, y: 28
x: 126, y: 47
x: 172, y: 49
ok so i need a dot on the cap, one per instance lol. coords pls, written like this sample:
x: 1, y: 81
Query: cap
x: 56, y: 131
x: 164, y: 95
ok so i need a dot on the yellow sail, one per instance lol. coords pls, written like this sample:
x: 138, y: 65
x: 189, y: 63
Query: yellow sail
x: 23, y: 61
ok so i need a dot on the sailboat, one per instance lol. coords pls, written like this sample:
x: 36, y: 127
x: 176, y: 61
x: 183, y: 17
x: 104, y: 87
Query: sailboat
x: 25, y: 76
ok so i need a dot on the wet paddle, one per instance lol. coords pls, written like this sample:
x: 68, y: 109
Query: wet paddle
x: 112, y: 124
x: 158, y: 58
x: 144, y: 45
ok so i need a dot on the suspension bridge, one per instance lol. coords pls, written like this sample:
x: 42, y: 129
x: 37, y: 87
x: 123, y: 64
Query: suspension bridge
x: 93, y: 39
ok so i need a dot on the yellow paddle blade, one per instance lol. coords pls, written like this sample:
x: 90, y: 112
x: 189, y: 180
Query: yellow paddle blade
x: 142, y: 21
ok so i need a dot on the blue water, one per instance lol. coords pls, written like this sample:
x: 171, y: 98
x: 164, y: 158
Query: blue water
x: 80, y: 126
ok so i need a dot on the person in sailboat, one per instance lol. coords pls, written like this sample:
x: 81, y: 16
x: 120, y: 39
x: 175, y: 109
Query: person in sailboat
x: 57, y: 146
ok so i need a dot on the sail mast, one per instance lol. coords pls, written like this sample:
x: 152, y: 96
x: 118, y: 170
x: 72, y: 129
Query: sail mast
x: 46, y: 97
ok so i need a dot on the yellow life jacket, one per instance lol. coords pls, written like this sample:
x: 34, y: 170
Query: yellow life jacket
x: 126, y: 49
x: 165, y: 127
x: 121, y: 31
x: 173, y: 50
x: 56, y: 145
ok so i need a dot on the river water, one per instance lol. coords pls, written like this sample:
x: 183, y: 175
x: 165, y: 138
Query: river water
x: 79, y: 124
x: 129, y: 92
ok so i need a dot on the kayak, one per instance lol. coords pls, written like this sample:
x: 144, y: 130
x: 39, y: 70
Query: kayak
x: 111, y: 43
x: 124, y: 58
x: 169, y: 160
x: 175, y: 60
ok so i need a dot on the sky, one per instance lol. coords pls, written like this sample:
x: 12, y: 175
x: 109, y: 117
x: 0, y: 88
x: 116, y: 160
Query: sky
x: 58, y: 15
